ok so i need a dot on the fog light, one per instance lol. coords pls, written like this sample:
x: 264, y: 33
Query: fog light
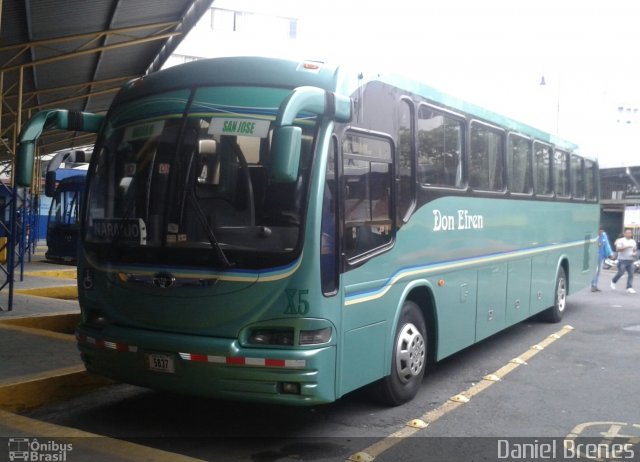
x: 282, y: 337
x: 290, y: 388
x: 97, y: 319
x: 314, y: 337
x: 123, y: 277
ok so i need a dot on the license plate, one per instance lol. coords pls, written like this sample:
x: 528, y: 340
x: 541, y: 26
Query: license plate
x: 161, y: 363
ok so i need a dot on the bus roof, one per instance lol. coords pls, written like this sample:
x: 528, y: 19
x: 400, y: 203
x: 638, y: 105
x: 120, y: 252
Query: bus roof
x: 234, y: 71
x: 287, y: 73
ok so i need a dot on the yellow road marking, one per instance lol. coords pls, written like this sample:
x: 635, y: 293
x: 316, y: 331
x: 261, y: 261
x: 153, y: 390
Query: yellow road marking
x: 29, y: 392
x: 64, y: 323
x: 456, y: 401
x: 57, y: 273
x: 61, y: 292
x: 116, y: 449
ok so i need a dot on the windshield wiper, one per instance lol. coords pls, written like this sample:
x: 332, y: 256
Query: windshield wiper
x: 205, y: 225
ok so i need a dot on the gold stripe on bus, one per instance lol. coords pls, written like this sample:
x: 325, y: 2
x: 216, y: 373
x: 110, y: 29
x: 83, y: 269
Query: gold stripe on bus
x: 255, y: 277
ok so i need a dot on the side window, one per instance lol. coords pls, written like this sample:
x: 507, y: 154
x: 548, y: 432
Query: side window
x: 367, y: 180
x: 519, y: 161
x: 542, y: 169
x: 328, y: 248
x: 591, y: 187
x: 404, y: 138
x: 577, y: 177
x: 561, y: 173
x: 486, y: 159
x: 439, y: 141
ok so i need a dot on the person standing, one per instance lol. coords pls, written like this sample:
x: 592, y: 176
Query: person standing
x: 604, y: 252
x: 627, y: 249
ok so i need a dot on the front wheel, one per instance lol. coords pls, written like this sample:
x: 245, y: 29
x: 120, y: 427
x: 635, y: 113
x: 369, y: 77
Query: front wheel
x: 409, y: 358
x: 555, y: 313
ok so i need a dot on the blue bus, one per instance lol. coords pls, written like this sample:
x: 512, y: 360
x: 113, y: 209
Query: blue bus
x: 64, y: 218
x: 64, y: 185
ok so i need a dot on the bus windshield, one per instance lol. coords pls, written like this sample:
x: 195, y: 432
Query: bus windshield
x: 182, y: 178
x: 65, y: 205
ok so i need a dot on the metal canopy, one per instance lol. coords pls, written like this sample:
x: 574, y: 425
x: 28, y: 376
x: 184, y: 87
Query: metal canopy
x: 75, y: 54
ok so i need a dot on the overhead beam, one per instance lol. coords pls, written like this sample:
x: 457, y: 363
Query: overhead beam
x: 74, y: 87
x: 75, y: 98
x: 98, y: 61
x: 73, y: 54
x: 71, y: 141
x: 162, y: 26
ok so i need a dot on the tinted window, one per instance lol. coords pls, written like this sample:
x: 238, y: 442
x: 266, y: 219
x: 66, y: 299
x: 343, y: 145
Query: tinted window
x: 367, y: 177
x: 542, y: 170
x: 591, y: 186
x: 328, y: 248
x: 486, y: 161
x: 577, y: 177
x: 561, y: 172
x: 519, y: 157
x: 405, y: 159
x: 439, y: 139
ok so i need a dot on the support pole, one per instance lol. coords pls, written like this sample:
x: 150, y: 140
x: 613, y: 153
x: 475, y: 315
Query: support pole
x: 15, y: 242
x: 24, y: 219
x: 1, y: 82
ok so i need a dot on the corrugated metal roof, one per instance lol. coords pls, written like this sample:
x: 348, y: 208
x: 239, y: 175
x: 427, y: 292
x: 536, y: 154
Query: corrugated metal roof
x: 75, y: 54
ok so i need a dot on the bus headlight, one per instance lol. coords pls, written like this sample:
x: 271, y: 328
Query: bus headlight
x: 281, y: 337
x: 314, y: 337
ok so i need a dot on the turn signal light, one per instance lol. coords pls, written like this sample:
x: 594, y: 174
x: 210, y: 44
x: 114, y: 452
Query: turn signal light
x: 315, y: 337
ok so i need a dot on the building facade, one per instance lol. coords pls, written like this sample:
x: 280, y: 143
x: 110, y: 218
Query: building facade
x: 620, y: 200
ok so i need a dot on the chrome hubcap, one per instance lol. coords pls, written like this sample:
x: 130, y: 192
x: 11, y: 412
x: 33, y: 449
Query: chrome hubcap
x: 561, y: 295
x: 410, y: 353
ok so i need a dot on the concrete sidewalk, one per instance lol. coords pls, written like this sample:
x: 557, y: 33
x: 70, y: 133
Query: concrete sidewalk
x: 41, y: 366
x: 40, y: 360
x: 40, y: 275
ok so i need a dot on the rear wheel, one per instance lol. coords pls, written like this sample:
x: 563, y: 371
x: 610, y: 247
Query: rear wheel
x: 555, y: 313
x: 409, y: 358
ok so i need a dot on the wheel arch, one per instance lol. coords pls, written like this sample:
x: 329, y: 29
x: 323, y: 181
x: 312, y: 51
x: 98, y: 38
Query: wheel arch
x: 420, y: 292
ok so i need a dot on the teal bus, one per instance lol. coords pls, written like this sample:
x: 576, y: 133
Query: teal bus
x: 269, y: 230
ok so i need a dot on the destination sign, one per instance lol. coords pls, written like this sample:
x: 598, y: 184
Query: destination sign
x: 131, y: 230
x: 239, y: 127
x: 143, y: 131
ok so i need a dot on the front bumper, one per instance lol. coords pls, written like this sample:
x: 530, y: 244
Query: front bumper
x: 211, y: 367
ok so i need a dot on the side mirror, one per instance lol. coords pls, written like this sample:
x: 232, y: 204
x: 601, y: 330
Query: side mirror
x: 285, y: 154
x: 24, y: 164
x: 60, y: 119
x: 50, y: 184
x: 287, y: 138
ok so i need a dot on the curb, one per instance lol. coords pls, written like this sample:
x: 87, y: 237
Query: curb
x: 60, y: 292
x: 21, y: 394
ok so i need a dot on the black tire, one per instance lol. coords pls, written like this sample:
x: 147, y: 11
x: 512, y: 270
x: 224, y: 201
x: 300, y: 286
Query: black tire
x: 555, y: 313
x: 409, y: 360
